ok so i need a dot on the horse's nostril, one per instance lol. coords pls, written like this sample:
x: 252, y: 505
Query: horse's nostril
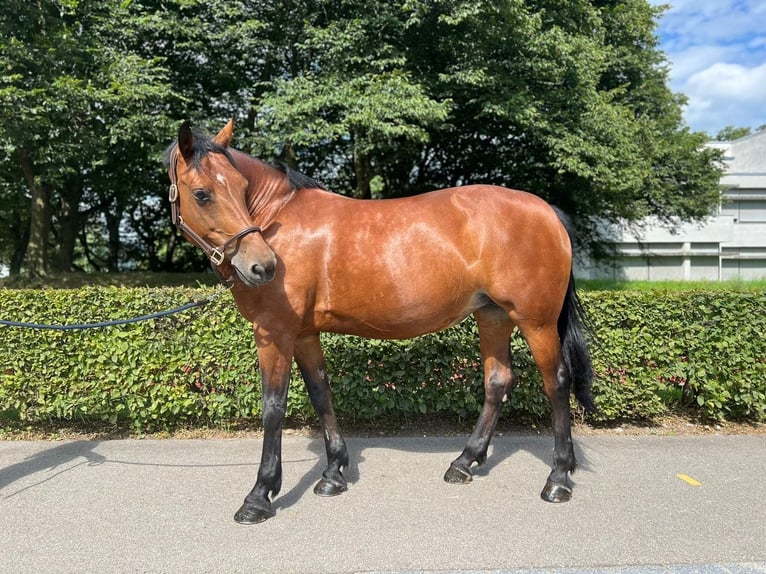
x: 263, y: 271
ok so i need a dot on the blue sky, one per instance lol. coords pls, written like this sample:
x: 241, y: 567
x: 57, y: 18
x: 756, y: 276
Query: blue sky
x: 717, y: 54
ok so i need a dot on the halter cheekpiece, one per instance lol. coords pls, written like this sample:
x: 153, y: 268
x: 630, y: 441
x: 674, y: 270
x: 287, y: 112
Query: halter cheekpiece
x: 217, y: 255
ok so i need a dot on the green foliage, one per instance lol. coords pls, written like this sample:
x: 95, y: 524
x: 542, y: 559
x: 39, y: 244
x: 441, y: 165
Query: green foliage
x: 568, y: 100
x: 149, y: 376
x: 661, y: 351
x: 730, y: 133
x: 82, y: 124
x: 698, y: 352
x: 622, y: 285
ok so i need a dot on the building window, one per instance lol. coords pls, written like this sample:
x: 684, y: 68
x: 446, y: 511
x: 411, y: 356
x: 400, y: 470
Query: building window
x: 752, y: 211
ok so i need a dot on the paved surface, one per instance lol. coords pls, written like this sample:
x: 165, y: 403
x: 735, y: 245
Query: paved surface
x: 167, y: 506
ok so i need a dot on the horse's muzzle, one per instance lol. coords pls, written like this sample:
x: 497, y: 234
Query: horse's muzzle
x: 257, y: 274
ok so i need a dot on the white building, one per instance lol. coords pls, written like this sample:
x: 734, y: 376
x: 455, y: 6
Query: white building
x: 729, y: 245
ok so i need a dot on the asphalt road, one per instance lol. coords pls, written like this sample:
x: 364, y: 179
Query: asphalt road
x: 167, y: 506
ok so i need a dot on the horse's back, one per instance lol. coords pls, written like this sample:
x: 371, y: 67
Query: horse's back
x: 471, y: 207
x: 468, y: 224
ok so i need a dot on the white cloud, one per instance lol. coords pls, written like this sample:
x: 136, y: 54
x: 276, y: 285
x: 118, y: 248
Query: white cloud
x: 731, y: 81
x: 687, y: 62
x: 717, y: 51
x: 726, y: 94
x: 711, y: 21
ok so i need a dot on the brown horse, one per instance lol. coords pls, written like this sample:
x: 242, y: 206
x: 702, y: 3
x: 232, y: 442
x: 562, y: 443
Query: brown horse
x: 303, y: 261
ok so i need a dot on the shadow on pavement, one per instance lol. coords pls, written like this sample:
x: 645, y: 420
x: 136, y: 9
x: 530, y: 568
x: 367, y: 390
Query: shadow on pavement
x: 501, y: 448
x: 51, y: 459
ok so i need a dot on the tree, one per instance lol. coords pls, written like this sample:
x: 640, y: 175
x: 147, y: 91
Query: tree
x: 573, y: 105
x: 730, y: 133
x: 77, y: 109
x: 347, y: 95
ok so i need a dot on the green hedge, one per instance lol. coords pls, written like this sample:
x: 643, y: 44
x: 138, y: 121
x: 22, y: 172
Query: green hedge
x: 654, y: 353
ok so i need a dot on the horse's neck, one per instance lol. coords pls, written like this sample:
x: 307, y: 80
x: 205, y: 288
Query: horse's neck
x: 269, y: 189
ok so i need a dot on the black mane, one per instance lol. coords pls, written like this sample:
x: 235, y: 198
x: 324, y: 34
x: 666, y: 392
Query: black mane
x: 297, y: 179
x: 204, y: 145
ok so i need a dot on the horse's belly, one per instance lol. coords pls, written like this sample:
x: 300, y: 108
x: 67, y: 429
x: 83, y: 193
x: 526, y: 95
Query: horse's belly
x: 382, y: 317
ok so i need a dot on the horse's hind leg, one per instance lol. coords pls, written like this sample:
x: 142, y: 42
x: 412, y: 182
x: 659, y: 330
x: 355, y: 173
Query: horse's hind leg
x: 495, y: 330
x: 310, y: 360
x: 546, y: 350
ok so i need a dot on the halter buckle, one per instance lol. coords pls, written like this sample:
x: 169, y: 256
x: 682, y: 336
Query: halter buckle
x: 217, y: 257
x: 173, y: 193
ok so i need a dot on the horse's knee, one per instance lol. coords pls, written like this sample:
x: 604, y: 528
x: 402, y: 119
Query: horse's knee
x: 498, y: 385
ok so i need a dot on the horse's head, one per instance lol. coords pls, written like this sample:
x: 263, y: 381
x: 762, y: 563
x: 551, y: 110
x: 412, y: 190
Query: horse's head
x: 207, y: 195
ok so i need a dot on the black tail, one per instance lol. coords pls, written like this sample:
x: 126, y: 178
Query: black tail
x: 572, y: 327
x: 574, y: 347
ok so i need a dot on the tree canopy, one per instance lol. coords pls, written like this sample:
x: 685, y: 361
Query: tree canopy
x: 730, y: 133
x: 568, y: 100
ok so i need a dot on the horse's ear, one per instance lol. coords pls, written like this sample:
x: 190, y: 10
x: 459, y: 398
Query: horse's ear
x: 186, y: 140
x: 224, y: 137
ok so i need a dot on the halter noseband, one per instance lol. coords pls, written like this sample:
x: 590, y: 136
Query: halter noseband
x: 217, y: 255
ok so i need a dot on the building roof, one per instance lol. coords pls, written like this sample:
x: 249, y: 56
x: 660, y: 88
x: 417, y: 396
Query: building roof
x: 746, y: 155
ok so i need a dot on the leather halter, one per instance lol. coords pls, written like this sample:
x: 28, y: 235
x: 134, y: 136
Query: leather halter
x: 217, y: 255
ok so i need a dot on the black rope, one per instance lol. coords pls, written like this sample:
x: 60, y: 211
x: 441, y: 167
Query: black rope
x: 160, y: 314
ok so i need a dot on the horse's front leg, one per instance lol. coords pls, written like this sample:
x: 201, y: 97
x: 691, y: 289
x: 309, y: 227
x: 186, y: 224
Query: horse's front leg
x: 310, y: 359
x: 275, y: 361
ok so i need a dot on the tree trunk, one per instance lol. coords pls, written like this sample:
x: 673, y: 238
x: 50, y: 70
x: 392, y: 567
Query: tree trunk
x: 20, y: 227
x: 68, y: 228
x: 290, y: 157
x: 113, y: 229
x: 39, y: 220
x: 363, y: 173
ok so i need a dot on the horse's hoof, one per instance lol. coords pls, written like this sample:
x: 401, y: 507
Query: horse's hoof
x: 554, y: 492
x: 329, y: 487
x: 456, y: 475
x: 249, y: 514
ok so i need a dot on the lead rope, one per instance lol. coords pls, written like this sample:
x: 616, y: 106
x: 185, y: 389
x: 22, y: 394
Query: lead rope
x: 100, y: 325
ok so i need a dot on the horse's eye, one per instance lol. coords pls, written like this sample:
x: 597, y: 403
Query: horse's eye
x: 201, y: 195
